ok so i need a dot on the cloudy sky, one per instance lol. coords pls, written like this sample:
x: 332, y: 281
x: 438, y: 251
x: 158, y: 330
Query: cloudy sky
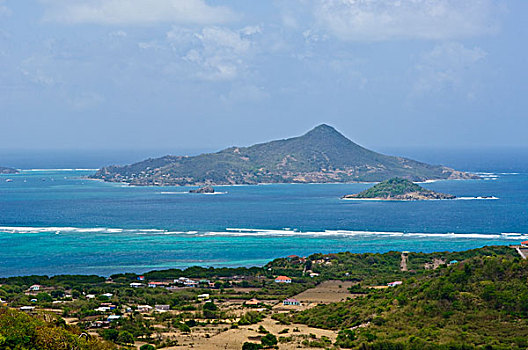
x: 184, y: 74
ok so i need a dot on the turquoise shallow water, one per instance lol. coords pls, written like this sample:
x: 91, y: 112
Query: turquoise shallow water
x: 54, y: 222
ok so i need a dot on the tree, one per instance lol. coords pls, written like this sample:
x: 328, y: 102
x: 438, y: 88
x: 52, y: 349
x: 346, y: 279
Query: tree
x: 44, y: 297
x: 125, y: 337
x: 109, y: 334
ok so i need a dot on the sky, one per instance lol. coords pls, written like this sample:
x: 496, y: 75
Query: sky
x: 196, y: 74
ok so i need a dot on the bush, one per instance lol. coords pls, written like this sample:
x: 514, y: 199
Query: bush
x: 250, y: 317
x: 269, y: 340
x: 147, y: 347
x: 251, y: 346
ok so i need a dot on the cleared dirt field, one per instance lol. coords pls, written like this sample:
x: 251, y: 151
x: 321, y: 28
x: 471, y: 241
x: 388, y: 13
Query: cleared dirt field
x: 234, y: 338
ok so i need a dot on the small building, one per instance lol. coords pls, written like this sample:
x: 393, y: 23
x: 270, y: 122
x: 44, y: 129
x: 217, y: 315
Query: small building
x: 253, y: 302
x: 140, y: 278
x: 524, y: 244
x: 136, y: 285
x: 144, y: 308
x: 291, y: 302
x: 162, y: 308
x: 27, y: 308
x: 453, y: 262
x: 314, y: 274
x: 156, y: 284
x: 3, y: 302
x: 283, y: 279
x: 108, y: 295
x: 35, y: 288
x: 33, y: 300
x: 204, y: 296
x: 394, y: 284
x: 113, y: 318
x: 102, y: 309
x: 90, y: 296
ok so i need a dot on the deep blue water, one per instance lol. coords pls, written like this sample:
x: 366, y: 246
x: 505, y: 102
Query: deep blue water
x: 55, y: 221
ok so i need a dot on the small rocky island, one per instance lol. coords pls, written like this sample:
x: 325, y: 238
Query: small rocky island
x: 4, y: 170
x: 398, y: 189
x: 204, y: 189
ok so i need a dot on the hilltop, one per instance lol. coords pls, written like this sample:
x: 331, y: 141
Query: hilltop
x: 398, y: 189
x: 4, y: 170
x: 322, y: 155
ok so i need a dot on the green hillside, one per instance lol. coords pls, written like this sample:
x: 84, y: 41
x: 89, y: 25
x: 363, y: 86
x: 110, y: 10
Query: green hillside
x: 480, y: 303
x: 321, y: 155
x: 19, y: 331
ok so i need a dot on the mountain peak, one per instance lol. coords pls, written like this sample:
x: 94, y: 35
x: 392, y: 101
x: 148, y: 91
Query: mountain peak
x: 324, y: 130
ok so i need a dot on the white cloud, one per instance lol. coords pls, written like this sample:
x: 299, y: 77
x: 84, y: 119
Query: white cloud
x: 35, y: 69
x: 378, y: 20
x: 4, y: 10
x: 448, y: 66
x: 130, y: 12
x: 216, y: 53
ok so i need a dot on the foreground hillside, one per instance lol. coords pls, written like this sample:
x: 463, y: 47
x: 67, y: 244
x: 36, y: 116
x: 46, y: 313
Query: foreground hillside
x: 477, y: 298
x: 46, y: 332
x: 321, y: 155
x: 478, y: 303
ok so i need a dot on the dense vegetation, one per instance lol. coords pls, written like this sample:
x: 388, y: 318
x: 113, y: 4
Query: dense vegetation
x: 399, y: 188
x: 321, y: 155
x: 21, y: 331
x: 482, y: 303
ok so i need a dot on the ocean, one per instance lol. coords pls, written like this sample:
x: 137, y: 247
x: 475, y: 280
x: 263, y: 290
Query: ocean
x: 58, y: 222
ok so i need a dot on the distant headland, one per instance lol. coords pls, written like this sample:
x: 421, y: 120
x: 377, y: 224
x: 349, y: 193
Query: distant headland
x: 323, y: 155
x: 398, y: 189
x: 4, y: 170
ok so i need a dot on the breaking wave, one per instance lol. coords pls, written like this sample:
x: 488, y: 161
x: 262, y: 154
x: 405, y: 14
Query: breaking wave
x: 240, y: 232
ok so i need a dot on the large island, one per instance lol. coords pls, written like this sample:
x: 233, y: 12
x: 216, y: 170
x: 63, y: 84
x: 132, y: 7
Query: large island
x: 398, y: 189
x: 323, y: 155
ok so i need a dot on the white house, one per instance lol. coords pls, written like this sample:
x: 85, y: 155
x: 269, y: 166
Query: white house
x: 144, y: 308
x: 108, y: 295
x: 292, y: 302
x: 102, y: 309
x: 136, y: 285
x: 34, y: 288
x: 394, y: 284
x: 204, y: 296
x: 162, y: 308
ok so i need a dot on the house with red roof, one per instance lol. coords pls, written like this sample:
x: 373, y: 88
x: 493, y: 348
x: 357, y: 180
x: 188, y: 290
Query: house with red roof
x: 524, y: 244
x: 283, y: 279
